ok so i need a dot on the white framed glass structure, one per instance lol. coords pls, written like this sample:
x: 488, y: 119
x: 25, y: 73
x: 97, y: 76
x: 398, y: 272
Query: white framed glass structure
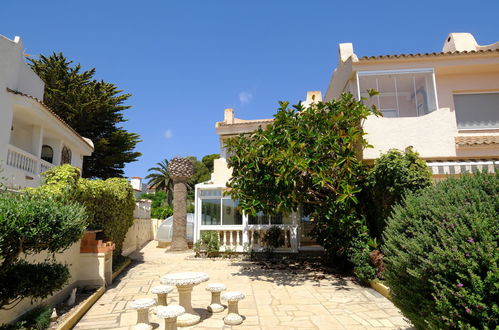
x: 216, y: 211
x: 402, y: 93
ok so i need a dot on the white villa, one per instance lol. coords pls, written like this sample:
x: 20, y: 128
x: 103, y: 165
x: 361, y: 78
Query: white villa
x: 445, y: 105
x: 32, y: 137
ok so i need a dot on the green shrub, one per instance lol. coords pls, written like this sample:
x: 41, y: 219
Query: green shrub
x: 360, y: 257
x: 441, y: 249
x: 274, y: 238
x: 109, y: 203
x: 161, y: 212
x: 38, y: 318
x: 393, y: 175
x: 30, y: 225
x: 209, y: 243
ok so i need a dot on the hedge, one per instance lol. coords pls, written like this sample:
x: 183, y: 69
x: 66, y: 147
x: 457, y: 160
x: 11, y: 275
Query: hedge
x: 109, y: 203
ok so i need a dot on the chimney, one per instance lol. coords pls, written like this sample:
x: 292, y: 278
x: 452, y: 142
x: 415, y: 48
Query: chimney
x: 313, y: 97
x: 459, y: 42
x: 345, y: 51
x: 229, y: 116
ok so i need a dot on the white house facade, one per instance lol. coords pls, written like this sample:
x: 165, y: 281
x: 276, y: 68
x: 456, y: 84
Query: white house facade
x: 32, y: 137
x: 445, y: 105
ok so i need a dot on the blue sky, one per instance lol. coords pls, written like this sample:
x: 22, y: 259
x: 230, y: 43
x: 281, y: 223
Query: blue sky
x: 185, y: 61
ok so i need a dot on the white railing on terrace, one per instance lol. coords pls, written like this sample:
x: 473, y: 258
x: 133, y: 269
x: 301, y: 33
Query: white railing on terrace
x: 250, y: 237
x: 22, y: 160
x: 44, y: 166
x: 256, y: 233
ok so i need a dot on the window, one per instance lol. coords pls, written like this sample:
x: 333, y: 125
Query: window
x: 211, y: 212
x: 219, y: 210
x: 402, y: 93
x: 47, y: 153
x: 65, y: 155
x: 477, y: 111
x: 265, y: 219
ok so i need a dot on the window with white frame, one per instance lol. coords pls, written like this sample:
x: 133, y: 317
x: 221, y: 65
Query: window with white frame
x: 269, y: 219
x: 477, y: 110
x: 402, y: 93
x: 219, y: 210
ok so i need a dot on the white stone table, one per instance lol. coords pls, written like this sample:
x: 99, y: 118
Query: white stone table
x: 185, y: 282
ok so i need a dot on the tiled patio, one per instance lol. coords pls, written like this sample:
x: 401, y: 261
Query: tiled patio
x: 275, y: 299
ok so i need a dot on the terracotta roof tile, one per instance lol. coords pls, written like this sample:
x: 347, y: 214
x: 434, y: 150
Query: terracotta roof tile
x: 397, y: 56
x: 477, y: 140
x: 52, y: 112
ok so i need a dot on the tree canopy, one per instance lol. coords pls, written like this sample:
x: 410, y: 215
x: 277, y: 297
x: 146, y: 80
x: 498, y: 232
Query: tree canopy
x: 309, y: 157
x: 92, y: 108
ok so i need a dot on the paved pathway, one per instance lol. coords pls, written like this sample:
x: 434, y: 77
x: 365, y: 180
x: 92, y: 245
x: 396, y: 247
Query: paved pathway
x: 275, y: 299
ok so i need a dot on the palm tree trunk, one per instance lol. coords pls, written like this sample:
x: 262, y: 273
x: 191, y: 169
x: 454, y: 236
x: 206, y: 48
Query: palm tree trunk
x: 179, y: 232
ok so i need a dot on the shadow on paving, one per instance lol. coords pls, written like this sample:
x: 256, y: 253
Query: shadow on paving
x: 292, y: 272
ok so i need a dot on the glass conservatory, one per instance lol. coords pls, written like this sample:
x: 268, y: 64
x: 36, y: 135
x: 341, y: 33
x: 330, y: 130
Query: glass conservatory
x: 216, y: 211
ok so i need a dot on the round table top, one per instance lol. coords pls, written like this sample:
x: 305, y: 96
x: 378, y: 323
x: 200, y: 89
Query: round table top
x: 186, y: 278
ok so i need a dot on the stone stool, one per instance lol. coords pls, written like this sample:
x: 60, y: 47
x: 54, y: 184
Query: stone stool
x: 162, y: 291
x: 142, y: 326
x: 233, y: 317
x: 170, y: 314
x: 215, y: 289
x: 142, y: 306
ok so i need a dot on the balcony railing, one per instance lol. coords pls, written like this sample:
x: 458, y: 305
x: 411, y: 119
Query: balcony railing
x: 22, y: 160
x: 25, y: 161
x: 44, y: 166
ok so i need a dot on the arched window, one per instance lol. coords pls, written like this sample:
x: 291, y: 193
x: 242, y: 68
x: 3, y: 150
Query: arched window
x: 47, y: 153
x: 65, y: 155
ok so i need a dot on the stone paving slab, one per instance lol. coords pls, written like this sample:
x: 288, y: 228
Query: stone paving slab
x: 275, y: 299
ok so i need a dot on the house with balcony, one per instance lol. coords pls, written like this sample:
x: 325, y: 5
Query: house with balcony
x: 443, y: 104
x: 33, y: 138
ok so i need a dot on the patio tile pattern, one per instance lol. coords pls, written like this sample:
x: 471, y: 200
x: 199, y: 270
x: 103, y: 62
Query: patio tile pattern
x: 275, y: 298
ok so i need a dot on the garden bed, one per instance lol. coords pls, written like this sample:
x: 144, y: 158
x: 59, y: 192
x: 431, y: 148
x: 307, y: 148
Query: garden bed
x: 69, y: 315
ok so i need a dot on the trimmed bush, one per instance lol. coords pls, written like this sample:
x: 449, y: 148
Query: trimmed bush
x: 441, y: 248
x: 30, y: 225
x: 109, y: 203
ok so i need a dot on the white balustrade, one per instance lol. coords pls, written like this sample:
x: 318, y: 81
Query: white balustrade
x: 256, y: 233
x: 44, y: 166
x: 22, y: 160
x: 243, y: 239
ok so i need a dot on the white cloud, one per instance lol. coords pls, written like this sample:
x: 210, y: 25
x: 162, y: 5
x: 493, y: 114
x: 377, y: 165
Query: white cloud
x: 168, y: 133
x: 245, y: 97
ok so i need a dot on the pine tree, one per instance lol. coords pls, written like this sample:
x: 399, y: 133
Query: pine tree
x: 93, y: 108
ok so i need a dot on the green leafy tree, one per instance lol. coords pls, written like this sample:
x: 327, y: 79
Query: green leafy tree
x: 160, y: 179
x: 94, y: 109
x: 308, y: 157
x: 30, y: 225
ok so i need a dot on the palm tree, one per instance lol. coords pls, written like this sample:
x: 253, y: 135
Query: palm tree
x: 160, y: 179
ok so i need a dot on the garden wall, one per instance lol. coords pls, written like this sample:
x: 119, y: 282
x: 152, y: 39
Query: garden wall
x: 87, y: 268
x: 142, y: 231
